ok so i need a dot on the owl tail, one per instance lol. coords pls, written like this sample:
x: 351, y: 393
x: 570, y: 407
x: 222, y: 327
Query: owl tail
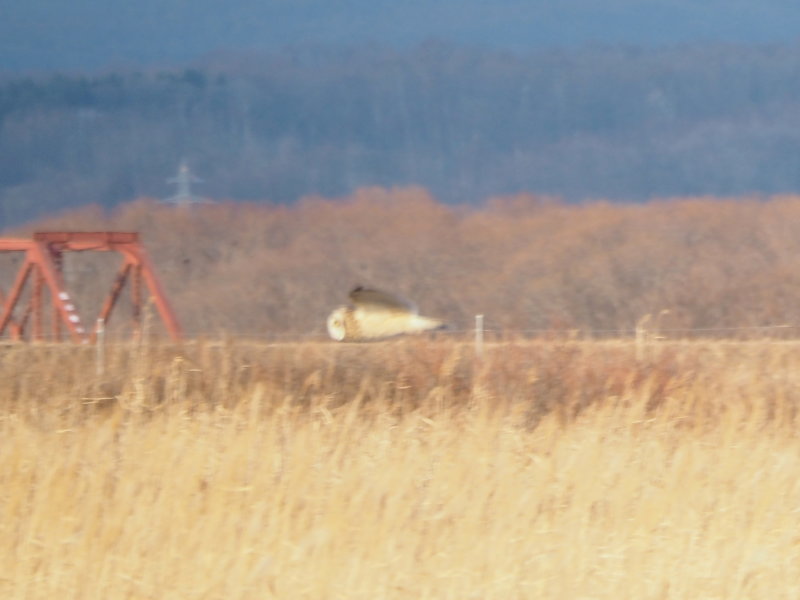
x: 426, y: 324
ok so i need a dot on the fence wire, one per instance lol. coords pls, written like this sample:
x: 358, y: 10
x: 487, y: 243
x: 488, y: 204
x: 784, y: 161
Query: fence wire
x: 490, y: 333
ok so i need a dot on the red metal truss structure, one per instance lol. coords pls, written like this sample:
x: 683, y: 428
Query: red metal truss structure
x: 42, y: 268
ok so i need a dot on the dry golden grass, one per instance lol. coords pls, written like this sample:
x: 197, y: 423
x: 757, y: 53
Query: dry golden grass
x: 401, y: 470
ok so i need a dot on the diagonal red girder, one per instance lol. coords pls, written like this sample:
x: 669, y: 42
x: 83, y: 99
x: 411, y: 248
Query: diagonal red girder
x: 43, y: 257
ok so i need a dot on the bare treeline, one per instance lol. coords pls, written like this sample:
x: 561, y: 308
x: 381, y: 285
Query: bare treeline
x: 467, y: 124
x: 526, y: 262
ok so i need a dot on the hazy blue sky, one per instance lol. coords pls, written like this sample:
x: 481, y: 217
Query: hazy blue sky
x: 96, y: 34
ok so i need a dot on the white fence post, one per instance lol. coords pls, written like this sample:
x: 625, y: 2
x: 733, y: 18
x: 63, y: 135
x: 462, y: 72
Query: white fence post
x: 100, y: 344
x: 479, y: 336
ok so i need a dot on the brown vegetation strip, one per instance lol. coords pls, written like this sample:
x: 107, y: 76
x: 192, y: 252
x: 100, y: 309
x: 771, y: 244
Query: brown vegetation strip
x: 724, y: 266
x: 406, y: 469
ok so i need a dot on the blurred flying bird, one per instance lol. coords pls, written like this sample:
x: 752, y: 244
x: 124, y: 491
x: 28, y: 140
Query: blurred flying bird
x: 373, y: 314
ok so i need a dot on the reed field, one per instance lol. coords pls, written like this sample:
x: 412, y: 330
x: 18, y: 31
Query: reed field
x: 567, y: 469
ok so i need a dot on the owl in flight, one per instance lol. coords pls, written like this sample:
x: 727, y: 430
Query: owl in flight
x: 373, y: 315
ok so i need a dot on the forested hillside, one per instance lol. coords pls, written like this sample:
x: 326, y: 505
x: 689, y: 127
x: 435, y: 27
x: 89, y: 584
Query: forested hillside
x: 719, y: 267
x: 48, y: 34
x: 467, y: 124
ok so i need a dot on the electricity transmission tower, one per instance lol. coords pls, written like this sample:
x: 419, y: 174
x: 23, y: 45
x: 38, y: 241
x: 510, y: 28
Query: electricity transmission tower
x: 184, y: 180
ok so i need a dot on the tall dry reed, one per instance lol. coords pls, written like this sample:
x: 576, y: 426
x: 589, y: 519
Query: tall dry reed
x: 401, y: 470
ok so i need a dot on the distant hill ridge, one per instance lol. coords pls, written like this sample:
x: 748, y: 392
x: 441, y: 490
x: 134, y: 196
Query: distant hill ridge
x: 617, y: 122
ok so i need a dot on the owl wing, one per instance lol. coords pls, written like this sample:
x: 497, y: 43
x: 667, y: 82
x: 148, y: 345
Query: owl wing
x: 378, y: 301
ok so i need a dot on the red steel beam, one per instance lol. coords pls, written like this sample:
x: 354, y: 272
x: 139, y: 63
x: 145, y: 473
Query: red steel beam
x: 158, y: 294
x: 13, y: 296
x: 87, y: 240
x: 43, y: 256
x: 111, y: 299
x: 14, y: 245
